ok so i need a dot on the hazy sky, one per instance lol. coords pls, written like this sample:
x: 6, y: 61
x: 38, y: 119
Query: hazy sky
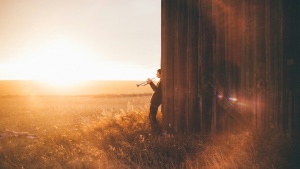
x: 79, y: 39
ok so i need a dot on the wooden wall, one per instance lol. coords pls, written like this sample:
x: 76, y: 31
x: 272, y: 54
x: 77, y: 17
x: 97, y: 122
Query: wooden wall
x: 247, y: 49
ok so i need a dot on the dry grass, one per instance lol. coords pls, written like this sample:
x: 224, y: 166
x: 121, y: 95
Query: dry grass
x: 113, y: 132
x: 127, y: 137
x: 250, y: 150
x: 64, y: 127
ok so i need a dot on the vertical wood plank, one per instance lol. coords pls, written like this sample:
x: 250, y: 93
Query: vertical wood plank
x: 205, y: 62
x: 180, y: 62
x: 193, y: 117
x: 268, y: 83
x: 167, y: 61
x: 244, y: 56
x: 260, y: 63
x: 219, y: 13
x: 276, y: 53
x: 296, y: 67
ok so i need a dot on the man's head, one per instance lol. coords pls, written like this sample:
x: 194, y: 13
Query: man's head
x: 158, y: 74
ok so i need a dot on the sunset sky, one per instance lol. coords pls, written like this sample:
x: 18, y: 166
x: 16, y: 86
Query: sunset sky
x: 79, y: 39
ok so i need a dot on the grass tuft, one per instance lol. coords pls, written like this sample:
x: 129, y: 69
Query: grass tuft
x: 127, y: 137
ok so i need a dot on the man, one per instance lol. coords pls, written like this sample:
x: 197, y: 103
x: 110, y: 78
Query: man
x: 155, y: 99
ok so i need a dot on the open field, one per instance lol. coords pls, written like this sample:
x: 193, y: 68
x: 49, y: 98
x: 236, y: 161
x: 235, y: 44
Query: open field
x: 64, y: 126
x: 89, y: 87
x: 112, y: 131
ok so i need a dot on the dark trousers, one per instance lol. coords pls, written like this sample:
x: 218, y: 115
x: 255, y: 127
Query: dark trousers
x: 152, y: 115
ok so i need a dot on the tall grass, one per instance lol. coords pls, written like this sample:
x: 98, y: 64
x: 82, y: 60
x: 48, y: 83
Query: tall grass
x: 114, y: 132
x: 64, y: 127
x: 127, y: 137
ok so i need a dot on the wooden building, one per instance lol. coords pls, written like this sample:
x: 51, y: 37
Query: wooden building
x: 216, y: 51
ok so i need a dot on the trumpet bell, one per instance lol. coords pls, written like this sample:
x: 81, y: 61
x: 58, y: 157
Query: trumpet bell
x: 143, y: 83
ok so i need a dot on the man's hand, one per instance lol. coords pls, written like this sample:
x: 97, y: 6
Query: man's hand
x: 149, y: 81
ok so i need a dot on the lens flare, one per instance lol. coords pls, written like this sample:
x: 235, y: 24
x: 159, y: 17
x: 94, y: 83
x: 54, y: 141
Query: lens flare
x: 232, y: 99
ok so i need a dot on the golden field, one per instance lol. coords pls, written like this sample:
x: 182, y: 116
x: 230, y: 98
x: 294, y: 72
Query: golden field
x: 64, y: 127
x: 112, y: 131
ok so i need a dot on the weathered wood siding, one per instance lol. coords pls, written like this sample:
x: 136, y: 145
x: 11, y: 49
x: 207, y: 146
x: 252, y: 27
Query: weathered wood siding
x: 248, y: 49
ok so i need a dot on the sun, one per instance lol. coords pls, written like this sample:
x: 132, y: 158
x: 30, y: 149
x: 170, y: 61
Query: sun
x: 59, y: 62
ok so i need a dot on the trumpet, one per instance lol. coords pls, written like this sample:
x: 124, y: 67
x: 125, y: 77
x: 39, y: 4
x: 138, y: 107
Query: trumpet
x: 144, y: 83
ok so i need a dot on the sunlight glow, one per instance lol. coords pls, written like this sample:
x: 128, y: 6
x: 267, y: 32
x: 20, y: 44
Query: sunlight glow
x: 62, y: 62
x: 58, y: 62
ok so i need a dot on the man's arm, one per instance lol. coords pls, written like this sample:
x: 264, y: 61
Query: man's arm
x: 153, y: 86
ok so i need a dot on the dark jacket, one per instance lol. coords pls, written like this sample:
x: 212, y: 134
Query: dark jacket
x: 157, y: 95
